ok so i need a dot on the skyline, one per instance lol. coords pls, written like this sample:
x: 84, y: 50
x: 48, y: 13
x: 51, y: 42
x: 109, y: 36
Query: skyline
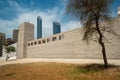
x: 15, y: 12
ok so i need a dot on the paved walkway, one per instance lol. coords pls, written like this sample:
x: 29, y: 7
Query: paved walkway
x: 73, y: 61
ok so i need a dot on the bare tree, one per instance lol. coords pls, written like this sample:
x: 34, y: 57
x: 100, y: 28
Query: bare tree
x: 91, y: 13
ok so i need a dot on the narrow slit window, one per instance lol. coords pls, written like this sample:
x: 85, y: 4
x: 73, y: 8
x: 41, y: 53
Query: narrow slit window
x: 35, y: 42
x: 54, y: 38
x: 31, y: 43
x: 61, y: 37
x: 48, y: 40
x: 43, y: 41
x: 39, y: 42
x: 28, y: 44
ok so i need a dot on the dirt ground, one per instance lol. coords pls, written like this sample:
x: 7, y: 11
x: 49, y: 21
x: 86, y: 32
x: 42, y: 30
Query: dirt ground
x: 58, y: 71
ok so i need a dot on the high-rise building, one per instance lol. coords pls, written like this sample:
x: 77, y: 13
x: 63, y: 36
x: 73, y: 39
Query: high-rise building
x: 2, y: 42
x: 39, y: 27
x: 15, y: 35
x: 9, y: 41
x: 56, y: 27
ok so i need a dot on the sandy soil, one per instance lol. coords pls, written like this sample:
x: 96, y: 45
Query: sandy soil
x: 13, y: 60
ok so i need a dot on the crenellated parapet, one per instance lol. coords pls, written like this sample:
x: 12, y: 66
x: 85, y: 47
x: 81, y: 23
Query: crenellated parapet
x: 46, y: 40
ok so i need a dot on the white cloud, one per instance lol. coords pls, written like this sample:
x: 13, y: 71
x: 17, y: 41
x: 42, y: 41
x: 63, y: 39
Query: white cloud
x: 48, y: 17
x: 7, y: 27
x: 14, y: 4
x: 70, y: 25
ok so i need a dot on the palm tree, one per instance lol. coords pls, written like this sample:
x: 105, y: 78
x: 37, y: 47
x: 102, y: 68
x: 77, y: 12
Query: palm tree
x: 91, y: 13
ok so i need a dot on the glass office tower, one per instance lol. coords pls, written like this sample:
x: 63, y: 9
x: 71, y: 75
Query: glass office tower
x: 56, y: 27
x: 39, y: 27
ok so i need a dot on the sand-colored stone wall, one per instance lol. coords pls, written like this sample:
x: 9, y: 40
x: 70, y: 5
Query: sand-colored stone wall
x: 26, y: 33
x: 71, y: 45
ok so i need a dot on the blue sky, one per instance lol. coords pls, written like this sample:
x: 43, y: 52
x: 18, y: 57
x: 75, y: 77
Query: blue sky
x: 16, y: 6
x: 15, y: 12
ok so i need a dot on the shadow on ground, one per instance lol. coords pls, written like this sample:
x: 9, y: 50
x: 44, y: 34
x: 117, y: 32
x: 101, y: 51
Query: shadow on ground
x: 90, y: 68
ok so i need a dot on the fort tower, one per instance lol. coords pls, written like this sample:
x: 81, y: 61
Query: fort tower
x: 25, y: 34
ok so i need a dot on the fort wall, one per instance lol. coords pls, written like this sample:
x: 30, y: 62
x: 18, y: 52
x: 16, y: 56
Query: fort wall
x: 70, y: 45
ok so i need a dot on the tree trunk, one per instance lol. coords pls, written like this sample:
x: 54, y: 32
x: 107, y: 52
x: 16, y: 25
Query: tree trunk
x: 7, y: 57
x: 102, y: 44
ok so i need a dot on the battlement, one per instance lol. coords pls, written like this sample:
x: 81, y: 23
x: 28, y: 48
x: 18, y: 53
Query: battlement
x: 46, y: 40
